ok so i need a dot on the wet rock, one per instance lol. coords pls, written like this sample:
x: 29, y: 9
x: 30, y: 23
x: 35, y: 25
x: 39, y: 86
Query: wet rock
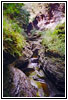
x: 55, y: 72
x: 33, y: 75
x: 27, y: 71
x: 32, y: 65
x: 37, y: 75
x: 27, y: 52
x: 40, y: 74
x: 19, y: 84
x: 21, y: 64
x: 34, y: 60
x: 36, y: 46
x: 32, y: 38
x: 53, y: 68
x: 43, y: 90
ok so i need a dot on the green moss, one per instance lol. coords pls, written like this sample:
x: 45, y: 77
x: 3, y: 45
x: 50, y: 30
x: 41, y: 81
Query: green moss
x: 37, y: 94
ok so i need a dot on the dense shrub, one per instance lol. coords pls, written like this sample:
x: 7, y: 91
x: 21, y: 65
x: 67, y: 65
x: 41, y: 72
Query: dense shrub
x: 55, y: 41
x: 15, y: 21
x: 16, y: 12
x: 23, y: 19
x: 13, y: 41
x: 12, y: 8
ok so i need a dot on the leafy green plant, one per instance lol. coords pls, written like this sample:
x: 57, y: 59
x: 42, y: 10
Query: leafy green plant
x: 12, y: 8
x: 15, y: 21
x: 23, y: 18
x: 17, y: 13
x: 13, y: 41
x: 60, y: 29
x: 55, y: 41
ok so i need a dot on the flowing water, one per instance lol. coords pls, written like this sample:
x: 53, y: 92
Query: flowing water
x: 39, y: 80
x: 37, y: 76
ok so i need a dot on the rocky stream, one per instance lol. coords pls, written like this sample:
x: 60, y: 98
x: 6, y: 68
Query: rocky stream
x: 35, y: 74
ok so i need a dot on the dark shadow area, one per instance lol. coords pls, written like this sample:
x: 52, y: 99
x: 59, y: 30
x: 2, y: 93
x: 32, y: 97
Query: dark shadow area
x: 52, y: 54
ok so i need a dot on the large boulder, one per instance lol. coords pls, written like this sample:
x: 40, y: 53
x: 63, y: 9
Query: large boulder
x: 27, y: 52
x: 17, y: 84
x: 55, y: 71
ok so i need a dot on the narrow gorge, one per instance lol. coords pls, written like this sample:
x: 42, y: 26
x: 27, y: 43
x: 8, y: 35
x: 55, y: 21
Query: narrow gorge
x: 40, y: 70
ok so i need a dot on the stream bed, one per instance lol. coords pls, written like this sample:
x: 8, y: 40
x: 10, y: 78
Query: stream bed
x: 34, y: 74
x: 39, y: 79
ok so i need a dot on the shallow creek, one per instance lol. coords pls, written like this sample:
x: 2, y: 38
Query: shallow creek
x: 39, y: 80
x: 37, y: 76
